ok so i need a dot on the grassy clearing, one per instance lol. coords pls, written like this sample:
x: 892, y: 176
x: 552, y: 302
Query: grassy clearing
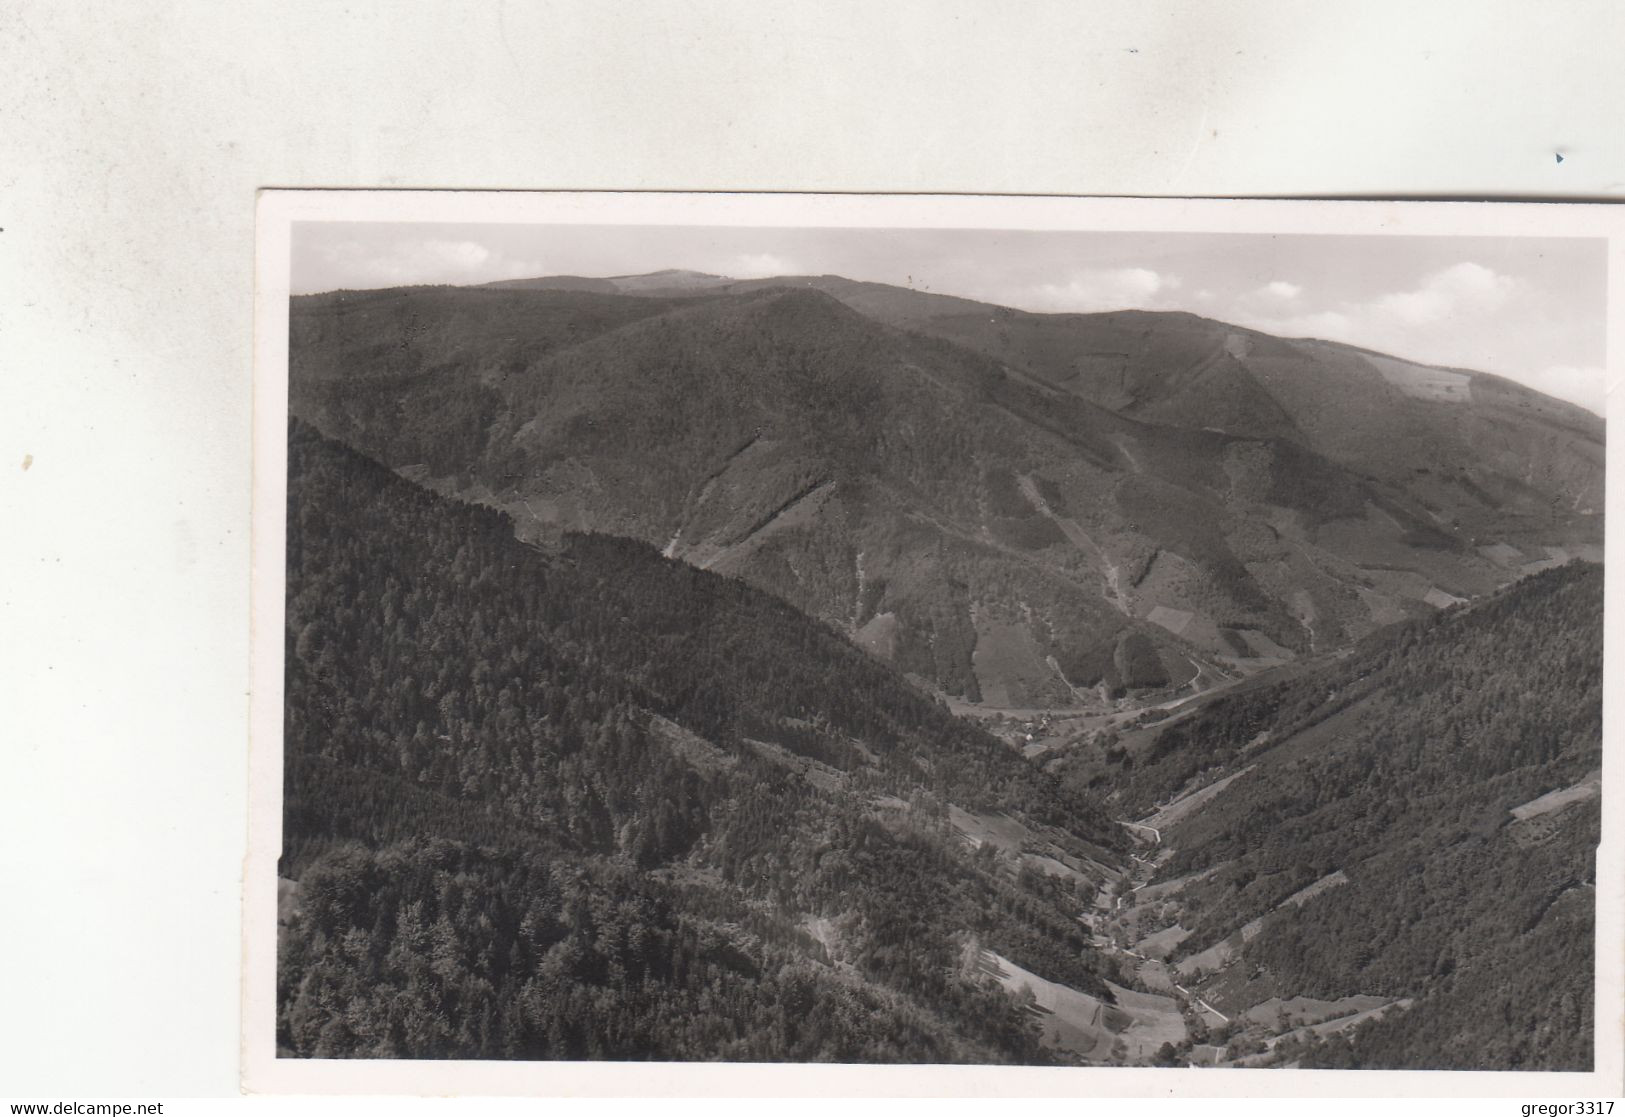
x: 1011, y: 668
x: 1503, y: 554
x: 1174, y: 620
x: 1070, y: 1020
x: 1309, y: 892
x: 1439, y: 599
x: 1154, y: 1021
x: 1215, y: 957
x: 1301, y: 1012
x: 1030, y: 847
x: 1049, y: 866
x: 1553, y: 801
x: 1181, y: 808
x: 1422, y: 382
x: 1003, y: 831
x: 1130, y: 1031
x: 879, y: 636
x: 815, y: 772
x: 1339, y: 1025
x: 699, y: 753
x: 1162, y: 890
x: 1162, y: 944
x: 1155, y: 976
x: 1222, y: 953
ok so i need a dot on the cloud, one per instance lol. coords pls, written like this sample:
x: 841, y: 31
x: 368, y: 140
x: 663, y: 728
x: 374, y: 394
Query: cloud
x: 759, y: 265
x: 1406, y: 322
x: 1277, y: 301
x: 428, y: 260
x: 1101, y: 289
x: 1448, y: 317
x: 1461, y: 289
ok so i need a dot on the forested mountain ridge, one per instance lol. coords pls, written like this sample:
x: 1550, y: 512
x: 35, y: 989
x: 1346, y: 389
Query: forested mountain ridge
x: 1366, y: 410
x: 1415, y: 824
x: 592, y: 802
x: 957, y: 507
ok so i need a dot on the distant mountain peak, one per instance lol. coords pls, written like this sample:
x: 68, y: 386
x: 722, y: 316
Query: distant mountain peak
x: 673, y: 273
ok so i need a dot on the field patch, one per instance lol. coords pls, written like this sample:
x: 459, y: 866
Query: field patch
x: 1070, y: 1020
x: 1174, y: 620
x: 1503, y: 554
x: 1236, y: 989
x: 1439, y: 599
x: 1300, y: 1012
x: 1340, y: 1024
x: 1227, y: 950
x: 1160, y: 945
x: 1553, y: 801
x: 1155, y: 976
x: 1052, y: 867
x: 1381, y: 608
x: 1182, y: 807
x: 815, y: 772
x: 695, y: 750
x: 1136, y: 1026
x: 1262, y: 647
x: 1219, y: 955
x: 1303, y: 895
x: 1028, y: 846
x: 879, y: 636
x: 1153, y: 1021
x: 1011, y: 669
x: 1422, y: 382
x: 1163, y: 889
x: 1003, y: 831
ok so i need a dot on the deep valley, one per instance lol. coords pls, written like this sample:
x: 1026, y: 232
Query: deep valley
x: 812, y: 670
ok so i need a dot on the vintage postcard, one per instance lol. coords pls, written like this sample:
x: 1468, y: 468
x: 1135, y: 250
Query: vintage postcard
x: 957, y: 645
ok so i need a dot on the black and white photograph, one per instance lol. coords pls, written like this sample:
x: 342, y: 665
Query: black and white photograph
x: 744, y: 555
x: 1135, y: 642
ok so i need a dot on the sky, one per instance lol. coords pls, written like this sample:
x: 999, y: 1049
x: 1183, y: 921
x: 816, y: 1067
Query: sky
x: 1531, y: 309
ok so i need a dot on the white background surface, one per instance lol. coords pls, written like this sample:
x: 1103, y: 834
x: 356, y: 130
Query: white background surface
x: 133, y: 137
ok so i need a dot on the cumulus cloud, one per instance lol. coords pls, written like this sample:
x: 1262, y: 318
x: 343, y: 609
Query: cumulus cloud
x: 1093, y: 289
x: 1445, y: 317
x: 1406, y: 321
x: 759, y: 265
x: 422, y: 260
x: 1279, y: 301
x: 1461, y: 289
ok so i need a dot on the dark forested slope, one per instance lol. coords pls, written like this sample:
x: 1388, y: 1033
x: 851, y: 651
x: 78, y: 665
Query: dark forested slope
x: 1407, y: 778
x: 597, y: 803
